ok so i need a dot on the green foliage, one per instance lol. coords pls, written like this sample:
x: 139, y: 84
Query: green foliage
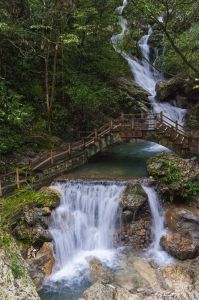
x: 179, y: 176
x: 191, y: 188
x: 58, y: 62
x: 178, y: 33
x: 14, y: 119
x: 15, y: 267
x: 172, y: 173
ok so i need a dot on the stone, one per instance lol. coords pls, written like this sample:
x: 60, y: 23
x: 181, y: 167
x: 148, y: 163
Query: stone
x: 42, y: 264
x: 179, y: 280
x: 184, y: 220
x: 98, y: 272
x: 179, y: 246
x: 99, y: 291
x: 133, y: 199
x: 167, y: 89
x: 127, y: 216
x: 47, y: 251
x: 15, y: 283
x: 177, y: 177
x: 134, y: 96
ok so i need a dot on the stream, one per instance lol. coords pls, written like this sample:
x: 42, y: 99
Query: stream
x: 85, y: 223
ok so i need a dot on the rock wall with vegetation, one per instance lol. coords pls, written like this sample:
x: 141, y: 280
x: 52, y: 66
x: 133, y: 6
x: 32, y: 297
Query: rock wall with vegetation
x: 25, y: 217
x: 15, y: 282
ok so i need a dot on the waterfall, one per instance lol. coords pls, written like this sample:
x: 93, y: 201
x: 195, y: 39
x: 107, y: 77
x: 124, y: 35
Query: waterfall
x: 155, y: 251
x: 144, y: 74
x: 84, y: 225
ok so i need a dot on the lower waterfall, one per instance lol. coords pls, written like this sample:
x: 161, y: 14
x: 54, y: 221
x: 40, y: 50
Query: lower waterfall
x: 84, y: 225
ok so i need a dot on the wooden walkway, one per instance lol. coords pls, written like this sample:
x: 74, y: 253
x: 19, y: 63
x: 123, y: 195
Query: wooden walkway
x: 154, y: 127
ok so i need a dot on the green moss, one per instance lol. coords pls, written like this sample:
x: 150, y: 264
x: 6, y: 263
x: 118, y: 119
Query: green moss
x: 164, y: 166
x: 179, y: 175
x: 11, y: 207
x: 15, y: 267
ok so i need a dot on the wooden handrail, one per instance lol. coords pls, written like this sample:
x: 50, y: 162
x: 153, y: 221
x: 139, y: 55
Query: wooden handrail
x: 137, y: 121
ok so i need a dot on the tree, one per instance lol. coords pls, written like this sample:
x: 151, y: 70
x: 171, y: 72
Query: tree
x: 178, y: 17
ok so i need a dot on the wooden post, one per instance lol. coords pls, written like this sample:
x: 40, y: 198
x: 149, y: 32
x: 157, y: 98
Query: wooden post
x: 1, y: 191
x: 96, y: 134
x: 133, y: 122
x: 17, y: 178
x: 51, y: 157
x: 161, y: 117
x: 69, y: 149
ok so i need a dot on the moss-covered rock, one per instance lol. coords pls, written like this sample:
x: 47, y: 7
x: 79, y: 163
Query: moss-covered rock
x: 134, y: 97
x: 25, y: 216
x: 133, y: 199
x: 15, y: 282
x: 177, y: 177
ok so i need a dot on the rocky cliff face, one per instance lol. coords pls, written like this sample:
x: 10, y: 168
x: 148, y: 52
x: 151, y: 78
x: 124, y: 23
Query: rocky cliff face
x: 15, y: 282
x: 25, y: 216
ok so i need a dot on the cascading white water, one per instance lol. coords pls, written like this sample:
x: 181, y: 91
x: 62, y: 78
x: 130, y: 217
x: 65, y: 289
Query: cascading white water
x: 84, y: 225
x: 155, y: 251
x: 145, y: 75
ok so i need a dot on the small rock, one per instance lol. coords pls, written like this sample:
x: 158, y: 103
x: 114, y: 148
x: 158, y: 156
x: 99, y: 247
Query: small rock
x: 98, y: 272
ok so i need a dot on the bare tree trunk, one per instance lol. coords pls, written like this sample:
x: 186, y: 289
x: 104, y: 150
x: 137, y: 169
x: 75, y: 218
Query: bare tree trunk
x: 54, y: 76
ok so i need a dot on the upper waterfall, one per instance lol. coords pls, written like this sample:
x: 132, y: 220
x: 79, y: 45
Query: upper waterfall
x: 143, y: 71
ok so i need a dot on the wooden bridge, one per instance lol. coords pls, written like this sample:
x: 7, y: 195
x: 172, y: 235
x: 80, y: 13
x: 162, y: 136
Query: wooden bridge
x: 147, y: 126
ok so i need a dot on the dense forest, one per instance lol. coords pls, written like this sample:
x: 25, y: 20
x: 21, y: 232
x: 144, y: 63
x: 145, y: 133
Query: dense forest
x: 58, y: 69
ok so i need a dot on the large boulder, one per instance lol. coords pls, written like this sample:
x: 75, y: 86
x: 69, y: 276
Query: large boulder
x: 167, y: 89
x: 133, y: 96
x: 99, y: 291
x: 176, y: 177
x: 180, y: 246
x: 133, y: 199
x: 184, y: 220
x: 98, y: 272
x: 180, y: 280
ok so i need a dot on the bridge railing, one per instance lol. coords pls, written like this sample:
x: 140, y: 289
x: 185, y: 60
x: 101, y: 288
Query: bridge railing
x: 138, y: 121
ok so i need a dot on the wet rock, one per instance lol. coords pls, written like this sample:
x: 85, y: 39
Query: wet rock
x: 138, y: 233
x: 100, y: 291
x: 98, y: 272
x: 179, y: 280
x: 133, y: 199
x: 42, y: 264
x: 179, y: 246
x: 168, y: 88
x: 36, y: 235
x: 135, y: 97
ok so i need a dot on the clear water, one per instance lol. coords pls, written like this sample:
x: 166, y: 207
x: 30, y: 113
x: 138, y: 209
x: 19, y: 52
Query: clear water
x: 125, y: 161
